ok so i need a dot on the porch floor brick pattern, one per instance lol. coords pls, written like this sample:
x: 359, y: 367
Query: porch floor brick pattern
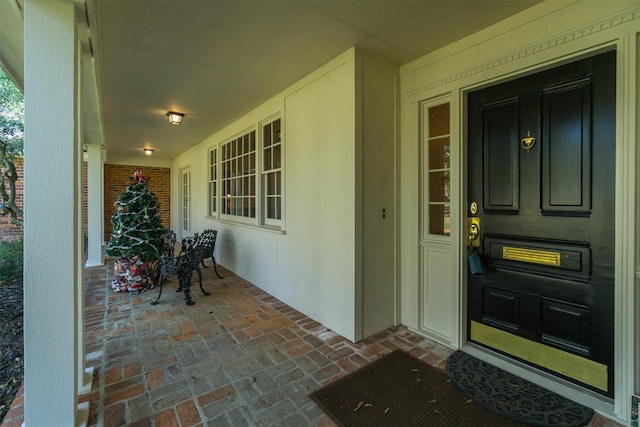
x: 238, y: 357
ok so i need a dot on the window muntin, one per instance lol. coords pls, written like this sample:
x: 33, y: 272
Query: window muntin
x: 438, y: 169
x: 239, y: 176
x: 245, y: 176
x: 213, y: 181
x: 186, y: 198
x: 272, y: 172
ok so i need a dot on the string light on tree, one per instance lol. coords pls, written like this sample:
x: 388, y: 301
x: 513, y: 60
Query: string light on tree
x: 138, y: 234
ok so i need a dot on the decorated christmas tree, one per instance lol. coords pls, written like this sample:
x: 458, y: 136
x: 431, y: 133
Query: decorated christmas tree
x: 137, y: 239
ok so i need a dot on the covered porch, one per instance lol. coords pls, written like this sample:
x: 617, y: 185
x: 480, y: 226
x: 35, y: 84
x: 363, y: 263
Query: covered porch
x: 239, y: 357
x: 306, y: 154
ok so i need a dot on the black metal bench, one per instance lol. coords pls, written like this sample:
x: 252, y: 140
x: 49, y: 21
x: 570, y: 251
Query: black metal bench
x: 182, y: 265
x: 207, y: 243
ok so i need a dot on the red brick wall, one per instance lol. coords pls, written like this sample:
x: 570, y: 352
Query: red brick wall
x: 118, y: 177
x: 10, y: 231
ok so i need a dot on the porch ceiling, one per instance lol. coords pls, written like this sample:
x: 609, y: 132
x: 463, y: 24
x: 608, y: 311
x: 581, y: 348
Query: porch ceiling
x: 216, y: 60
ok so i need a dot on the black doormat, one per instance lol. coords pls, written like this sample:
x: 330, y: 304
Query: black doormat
x: 400, y: 390
x: 512, y: 396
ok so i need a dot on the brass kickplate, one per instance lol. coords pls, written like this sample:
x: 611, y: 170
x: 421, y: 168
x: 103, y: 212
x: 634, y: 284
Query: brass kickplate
x: 570, y: 365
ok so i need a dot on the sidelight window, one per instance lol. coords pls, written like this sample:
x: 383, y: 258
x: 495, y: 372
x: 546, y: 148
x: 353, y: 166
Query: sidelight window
x: 436, y: 152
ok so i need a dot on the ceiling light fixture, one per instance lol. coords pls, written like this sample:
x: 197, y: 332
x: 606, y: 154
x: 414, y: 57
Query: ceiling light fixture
x: 148, y: 151
x: 175, y: 118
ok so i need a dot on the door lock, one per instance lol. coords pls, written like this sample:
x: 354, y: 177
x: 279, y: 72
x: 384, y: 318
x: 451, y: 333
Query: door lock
x: 473, y: 232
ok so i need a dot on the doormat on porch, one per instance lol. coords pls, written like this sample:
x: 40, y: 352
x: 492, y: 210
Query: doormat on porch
x: 512, y: 396
x: 400, y: 390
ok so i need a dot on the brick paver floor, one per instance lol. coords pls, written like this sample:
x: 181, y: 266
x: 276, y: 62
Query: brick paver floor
x: 238, y: 357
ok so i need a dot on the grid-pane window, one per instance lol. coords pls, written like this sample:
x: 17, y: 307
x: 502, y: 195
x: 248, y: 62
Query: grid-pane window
x: 186, y: 201
x: 438, y: 151
x: 272, y: 172
x: 213, y: 181
x: 239, y: 176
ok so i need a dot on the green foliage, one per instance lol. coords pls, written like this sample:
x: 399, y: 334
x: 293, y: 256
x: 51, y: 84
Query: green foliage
x: 11, y: 256
x: 137, y: 227
x: 11, y: 116
x: 11, y: 143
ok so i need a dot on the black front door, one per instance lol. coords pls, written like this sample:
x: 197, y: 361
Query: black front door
x: 541, y: 170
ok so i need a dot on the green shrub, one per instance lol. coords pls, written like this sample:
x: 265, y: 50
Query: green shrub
x: 10, y: 261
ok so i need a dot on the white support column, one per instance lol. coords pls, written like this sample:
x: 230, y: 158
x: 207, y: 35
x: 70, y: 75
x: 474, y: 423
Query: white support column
x: 95, y: 177
x: 52, y: 252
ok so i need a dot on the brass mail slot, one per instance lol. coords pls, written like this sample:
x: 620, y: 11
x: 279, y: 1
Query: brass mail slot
x: 534, y: 256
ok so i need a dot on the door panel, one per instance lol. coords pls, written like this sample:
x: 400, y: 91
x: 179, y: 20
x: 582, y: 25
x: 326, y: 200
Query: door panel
x: 546, y: 212
x: 567, y: 152
x: 501, y: 176
x: 566, y: 326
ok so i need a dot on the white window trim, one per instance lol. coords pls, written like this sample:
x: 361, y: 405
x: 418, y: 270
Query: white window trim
x: 185, y: 200
x: 260, y: 220
x: 271, y: 222
x: 216, y: 203
x: 223, y: 194
x: 425, y: 203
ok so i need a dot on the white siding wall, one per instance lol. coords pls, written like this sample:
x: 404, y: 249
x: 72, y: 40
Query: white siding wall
x: 312, y: 265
